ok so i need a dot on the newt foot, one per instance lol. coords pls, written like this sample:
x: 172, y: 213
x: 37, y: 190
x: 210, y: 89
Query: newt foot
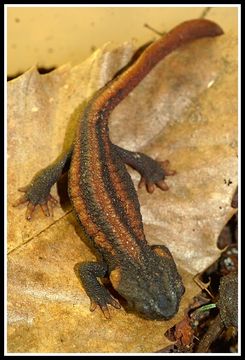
x: 153, y: 180
x: 107, y: 299
x: 47, y: 204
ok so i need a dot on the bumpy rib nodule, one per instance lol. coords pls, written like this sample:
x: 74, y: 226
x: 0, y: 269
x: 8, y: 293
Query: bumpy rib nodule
x: 100, y: 188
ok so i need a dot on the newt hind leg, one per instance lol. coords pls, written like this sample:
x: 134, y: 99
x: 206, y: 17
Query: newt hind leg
x: 37, y: 192
x: 153, y: 172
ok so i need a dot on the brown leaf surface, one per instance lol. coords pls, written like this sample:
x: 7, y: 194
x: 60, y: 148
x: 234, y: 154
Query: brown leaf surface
x: 185, y: 110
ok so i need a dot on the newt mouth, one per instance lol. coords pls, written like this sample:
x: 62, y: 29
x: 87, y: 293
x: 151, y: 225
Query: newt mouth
x: 152, y: 313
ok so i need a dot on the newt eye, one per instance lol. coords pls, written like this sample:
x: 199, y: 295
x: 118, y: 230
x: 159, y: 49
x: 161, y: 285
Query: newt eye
x: 115, y: 277
x: 162, y: 251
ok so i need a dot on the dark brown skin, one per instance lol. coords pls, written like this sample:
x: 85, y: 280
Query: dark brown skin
x: 104, y: 198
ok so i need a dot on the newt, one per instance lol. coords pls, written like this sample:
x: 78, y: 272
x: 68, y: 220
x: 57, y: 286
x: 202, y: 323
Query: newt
x: 104, y: 198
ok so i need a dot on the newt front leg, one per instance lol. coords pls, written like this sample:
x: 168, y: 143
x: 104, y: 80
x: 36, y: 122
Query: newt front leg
x: 98, y: 294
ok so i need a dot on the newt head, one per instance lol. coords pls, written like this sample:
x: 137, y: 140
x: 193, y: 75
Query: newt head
x: 154, y: 288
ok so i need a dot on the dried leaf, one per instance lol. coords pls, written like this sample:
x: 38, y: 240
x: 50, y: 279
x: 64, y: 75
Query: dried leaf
x: 185, y: 111
x: 184, y: 332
